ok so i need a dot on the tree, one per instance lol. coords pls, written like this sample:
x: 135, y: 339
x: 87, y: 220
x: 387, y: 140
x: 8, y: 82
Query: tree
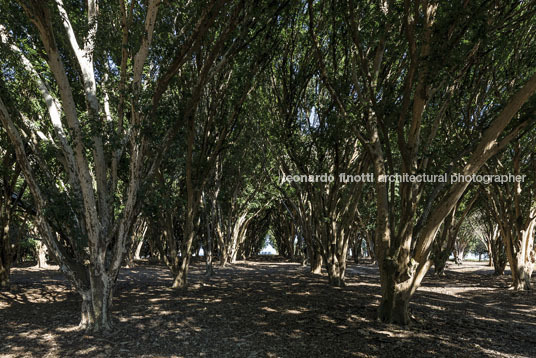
x: 513, y: 207
x: 445, y: 243
x: 409, y: 62
x: 11, y: 195
x: 483, y: 224
x: 92, y: 68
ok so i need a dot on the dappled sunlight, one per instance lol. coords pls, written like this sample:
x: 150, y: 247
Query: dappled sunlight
x: 295, y: 311
x: 326, y: 318
x: 248, y: 308
x: 268, y: 309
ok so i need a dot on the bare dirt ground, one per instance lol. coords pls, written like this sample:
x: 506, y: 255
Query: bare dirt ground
x: 269, y: 309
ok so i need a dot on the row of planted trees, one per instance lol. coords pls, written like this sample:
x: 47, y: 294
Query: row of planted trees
x: 179, y: 121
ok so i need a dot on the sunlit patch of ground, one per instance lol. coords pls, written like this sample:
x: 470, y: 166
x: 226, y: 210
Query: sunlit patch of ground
x: 269, y: 309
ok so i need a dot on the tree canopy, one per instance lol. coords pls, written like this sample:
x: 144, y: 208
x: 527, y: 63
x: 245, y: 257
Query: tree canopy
x: 180, y: 127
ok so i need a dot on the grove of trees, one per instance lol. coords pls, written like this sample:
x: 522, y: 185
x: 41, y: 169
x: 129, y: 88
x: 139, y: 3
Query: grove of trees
x: 166, y: 128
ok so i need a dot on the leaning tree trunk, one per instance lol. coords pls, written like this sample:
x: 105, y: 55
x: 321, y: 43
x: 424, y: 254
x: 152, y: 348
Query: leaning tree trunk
x: 181, y: 279
x: 443, y: 245
x: 133, y: 252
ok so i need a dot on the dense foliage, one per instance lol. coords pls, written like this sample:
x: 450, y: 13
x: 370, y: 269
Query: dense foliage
x: 167, y: 128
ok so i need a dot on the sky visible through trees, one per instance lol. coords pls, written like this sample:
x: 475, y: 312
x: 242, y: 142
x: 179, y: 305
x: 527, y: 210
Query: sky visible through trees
x: 369, y: 143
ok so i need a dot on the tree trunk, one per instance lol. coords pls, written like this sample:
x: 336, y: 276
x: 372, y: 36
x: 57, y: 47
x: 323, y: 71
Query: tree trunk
x: 444, y: 244
x: 440, y: 257
x: 224, y: 258
x: 315, y: 258
x: 522, y: 273
x: 356, y: 249
x: 490, y: 253
x: 41, y: 255
x: 138, y: 249
x: 394, y: 305
x: 335, y: 255
x: 370, y: 248
x: 440, y: 262
x: 97, y: 306
x: 134, y: 253
x: 181, y: 279
x: 498, y: 255
x: 209, y: 271
x: 458, y: 256
x: 134, y: 250
x: 4, y: 275
x: 521, y: 255
x: 5, y: 256
x: 336, y: 271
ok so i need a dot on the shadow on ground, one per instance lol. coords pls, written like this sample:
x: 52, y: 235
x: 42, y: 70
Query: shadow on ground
x: 268, y: 309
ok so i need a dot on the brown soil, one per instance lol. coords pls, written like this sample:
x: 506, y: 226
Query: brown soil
x: 269, y: 309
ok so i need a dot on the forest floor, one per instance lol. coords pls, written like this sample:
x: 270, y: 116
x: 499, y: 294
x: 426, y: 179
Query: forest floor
x: 269, y: 309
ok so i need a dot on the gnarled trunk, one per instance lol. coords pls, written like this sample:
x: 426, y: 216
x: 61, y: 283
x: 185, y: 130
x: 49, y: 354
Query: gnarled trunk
x: 394, y: 305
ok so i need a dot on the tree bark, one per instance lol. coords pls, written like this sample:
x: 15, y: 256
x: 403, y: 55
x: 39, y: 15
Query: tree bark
x: 445, y: 243
x: 41, y: 255
x: 5, y: 255
x: 498, y: 256
x: 521, y: 256
x: 99, y: 311
x: 356, y: 249
x: 315, y: 259
x: 4, y: 274
x: 394, y: 305
x: 370, y: 248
